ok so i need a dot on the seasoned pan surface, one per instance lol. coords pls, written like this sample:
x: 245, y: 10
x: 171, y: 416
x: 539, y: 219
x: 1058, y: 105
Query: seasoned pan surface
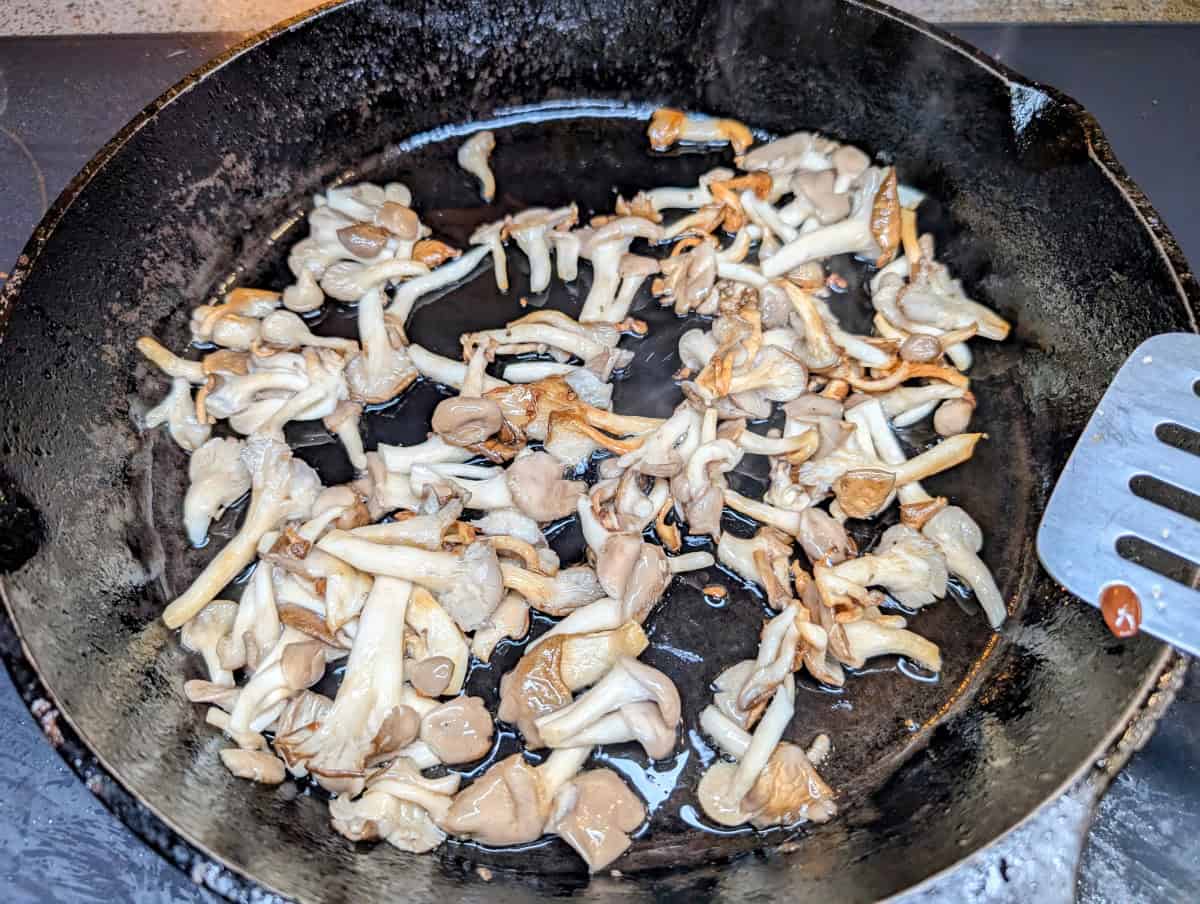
x: 1027, y: 211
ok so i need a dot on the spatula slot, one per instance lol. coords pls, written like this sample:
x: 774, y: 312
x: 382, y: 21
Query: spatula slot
x: 1169, y: 565
x: 1162, y: 493
x: 1180, y: 437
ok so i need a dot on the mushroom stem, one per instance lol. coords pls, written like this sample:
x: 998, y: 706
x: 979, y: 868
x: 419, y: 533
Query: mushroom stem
x: 169, y: 363
x: 410, y: 292
x: 728, y: 735
x: 949, y: 452
x: 440, y: 369
x: 766, y: 737
x: 783, y: 519
x: 690, y: 561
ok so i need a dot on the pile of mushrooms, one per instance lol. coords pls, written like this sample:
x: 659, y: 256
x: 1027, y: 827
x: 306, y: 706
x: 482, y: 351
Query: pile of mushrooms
x: 434, y: 555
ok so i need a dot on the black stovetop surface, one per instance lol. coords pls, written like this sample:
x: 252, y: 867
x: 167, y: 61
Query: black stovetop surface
x: 62, y: 98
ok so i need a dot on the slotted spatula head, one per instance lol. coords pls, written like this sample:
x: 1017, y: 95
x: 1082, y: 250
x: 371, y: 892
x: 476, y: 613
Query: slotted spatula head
x: 1122, y: 529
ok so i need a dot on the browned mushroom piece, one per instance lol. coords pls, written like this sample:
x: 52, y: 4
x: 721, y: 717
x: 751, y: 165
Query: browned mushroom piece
x: 363, y: 240
x: 459, y: 730
x: 789, y: 790
x: 545, y: 677
x: 398, y: 219
x: 595, y: 813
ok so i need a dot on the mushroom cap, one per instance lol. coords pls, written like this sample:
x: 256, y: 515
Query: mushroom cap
x: 823, y: 538
x: 478, y: 592
x: 712, y: 794
x: 459, y: 731
x: 467, y: 421
x: 209, y: 626
x: 538, y: 488
x: 594, y: 813
x: 431, y: 676
x: 789, y: 790
x: 505, y: 805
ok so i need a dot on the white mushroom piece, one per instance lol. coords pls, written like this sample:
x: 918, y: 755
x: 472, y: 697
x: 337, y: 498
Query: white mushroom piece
x: 669, y: 126
x: 256, y: 626
x: 512, y: 802
x: 627, y: 682
x: 951, y: 528
x: 872, y: 229
x: 204, y: 633
x: 447, y: 274
x: 773, y: 782
x: 283, y: 329
x: 295, y: 662
x: 435, y: 646
x: 399, y: 806
x: 510, y: 620
x: 606, y: 247
x: 445, y: 370
x: 545, y: 678
x: 473, y: 156
x: 283, y: 488
x: 178, y: 412
x: 529, y: 229
x: 554, y: 595
x: 369, y: 721
x: 236, y: 322
x: 217, y: 478
x: 350, y: 280
x: 491, y: 236
x: 592, y: 342
x: 467, y: 583
x: 383, y: 370
x: 595, y: 813
x: 762, y: 559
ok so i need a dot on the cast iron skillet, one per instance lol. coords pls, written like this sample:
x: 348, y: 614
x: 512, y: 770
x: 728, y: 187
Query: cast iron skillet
x: 1030, y: 209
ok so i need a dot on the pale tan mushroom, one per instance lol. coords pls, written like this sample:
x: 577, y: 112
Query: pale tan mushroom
x: 595, y: 813
x: 459, y: 730
x: 473, y: 157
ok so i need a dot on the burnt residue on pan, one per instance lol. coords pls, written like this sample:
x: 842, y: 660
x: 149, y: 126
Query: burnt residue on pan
x: 1028, y: 210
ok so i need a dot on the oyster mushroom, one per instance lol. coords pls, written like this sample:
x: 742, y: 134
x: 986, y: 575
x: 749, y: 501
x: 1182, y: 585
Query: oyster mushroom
x: 628, y: 681
x: 304, y: 295
x: 256, y: 765
x: 295, y: 662
x: 569, y: 589
x: 256, y: 627
x: 868, y: 638
x: 529, y: 229
x: 284, y: 329
x: 773, y: 783
x: 606, y: 248
x: 491, y: 236
x: 169, y: 363
x: 204, y: 634
x: 537, y: 486
x: 595, y: 813
x: 545, y: 677
x: 425, y: 531
x: 350, y: 280
x: 178, y: 412
x: 362, y: 724
x: 763, y: 559
x: 343, y: 423
x: 435, y: 450
x: 468, y: 583
x: 956, y: 533
x: 435, y: 635
x: 642, y: 722
x: 668, y: 126
x: 872, y: 229
x: 383, y: 370
x: 510, y: 620
x: 283, y: 488
x: 446, y: 274
x: 473, y: 157
x: 512, y: 801
x: 399, y: 806
x: 458, y: 731
x: 217, y: 478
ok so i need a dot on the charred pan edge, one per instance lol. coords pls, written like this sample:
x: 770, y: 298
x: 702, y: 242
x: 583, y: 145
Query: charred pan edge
x: 201, y: 865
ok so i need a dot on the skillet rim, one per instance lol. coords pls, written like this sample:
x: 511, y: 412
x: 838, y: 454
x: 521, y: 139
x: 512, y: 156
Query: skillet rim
x: 158, y: 831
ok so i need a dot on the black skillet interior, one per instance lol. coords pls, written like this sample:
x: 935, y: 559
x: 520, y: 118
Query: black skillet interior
x: 1022, y: 211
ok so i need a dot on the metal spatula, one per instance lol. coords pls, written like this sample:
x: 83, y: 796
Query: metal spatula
x: 1122, y: 529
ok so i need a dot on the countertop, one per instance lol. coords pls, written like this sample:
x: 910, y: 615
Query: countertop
x: 60, y: 98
